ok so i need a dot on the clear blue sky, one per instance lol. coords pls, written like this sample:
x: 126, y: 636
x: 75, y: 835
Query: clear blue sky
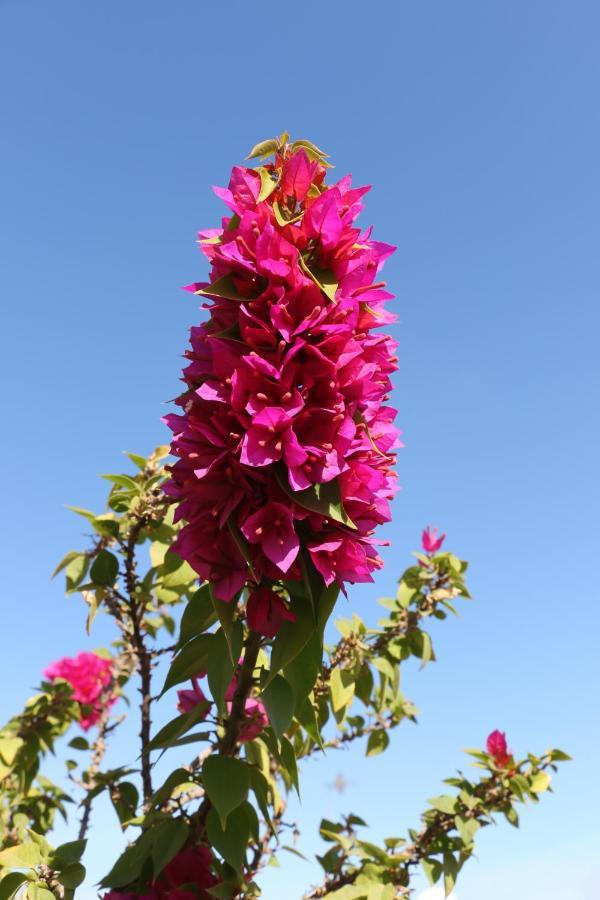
x: 478, y: 124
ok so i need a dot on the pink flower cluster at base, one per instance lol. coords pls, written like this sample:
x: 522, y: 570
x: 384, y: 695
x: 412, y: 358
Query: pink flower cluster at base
x: 286, y: 387
x: 91, y: 677
x: 497, y: 748
x: 187, y: 877
x: 255, y: 714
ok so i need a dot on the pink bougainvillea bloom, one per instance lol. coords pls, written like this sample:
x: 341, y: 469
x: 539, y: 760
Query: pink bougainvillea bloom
x: 286, y: 387
x: 341, y: 559
x: 270, y: 438
x: 430, y: 541
x: 255, y: 714
x: 187, y: 700
x: 90, y: 677
x: 191, y: 866
x: 297, y: 175
x: 255, y: 719
x: 497, y: 748
x: 273, y: 528
x: 267, y: 612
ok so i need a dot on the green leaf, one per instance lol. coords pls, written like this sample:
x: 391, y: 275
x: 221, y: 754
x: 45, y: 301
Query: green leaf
x: 324, y: 499
x: 38, y: 891
x: 263, y: 149
x: 341, y: 686
x: 198, y: 615
x: 222, y: 288
x: 433, y: 870
x: 278, y: 698
x: 21, y: 856
x: 325, y: 604
x: 307, y: 717
x: 68, y: 558
x: 219, y: 665
x: 560, y: 756
x: 378, y: 742
x: 178, y: 726
x: 164, y: 792
x: 106, y: 526
x: 323, y: 278
x: 512, y: 816
x: 129, y: 865
x: 105, y: 569
x: 67, y: 853
x: 75, y: 571
x: 444, y: 803
x: 261, y: 788
x: 467, y: 829
x: 168, y: 839
x: 226, y: 782
x: 288, y: 757
x: 73, y: 875
x: 540, y: 782
x: 226, y: 615
x: 231, y: 842
x: 78, y: 743
x: 312, y: 151
x: 267, y: 184
x: 302, y: 671
x: 192, y: 738
x: 292, y: 637
x: 10, y: 884
x: 9, y: 747
x: 125, y: 798
x: 450, y: 872
x: 136, y: 459
x: 122, y: 481
x: 190, y: 661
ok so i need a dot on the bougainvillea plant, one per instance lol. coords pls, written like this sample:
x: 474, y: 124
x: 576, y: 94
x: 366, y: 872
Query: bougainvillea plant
x: 223, y: 567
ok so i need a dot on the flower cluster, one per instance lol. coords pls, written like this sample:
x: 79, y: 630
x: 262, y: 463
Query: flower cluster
x: 91, y: 677
x: 285, y: 441
x: 187, y: 877
x: 255, y: 715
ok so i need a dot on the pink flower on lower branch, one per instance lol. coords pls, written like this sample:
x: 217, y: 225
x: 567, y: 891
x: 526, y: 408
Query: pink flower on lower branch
x: 255, y: 714
x: 187, y: 700
x: 497, y: 748
x: 430, y: 541
x: 192, y: 866
x: 90, y: 677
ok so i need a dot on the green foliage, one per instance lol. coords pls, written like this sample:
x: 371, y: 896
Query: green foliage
x: 226, y: 782
x: 232, y: 795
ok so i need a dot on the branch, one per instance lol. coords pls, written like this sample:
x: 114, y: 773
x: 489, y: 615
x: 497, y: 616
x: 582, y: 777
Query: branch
x: 98, y: 751
x: 228, y: 745
x: 144, y: 655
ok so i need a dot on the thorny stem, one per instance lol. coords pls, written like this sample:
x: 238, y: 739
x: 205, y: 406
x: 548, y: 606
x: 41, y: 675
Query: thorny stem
x: 136, y: 612
x: 98, y: 751
x: 228, y: 745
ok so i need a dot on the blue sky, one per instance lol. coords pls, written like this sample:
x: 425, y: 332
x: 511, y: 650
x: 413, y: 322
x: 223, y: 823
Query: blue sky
x: 478, y: 125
